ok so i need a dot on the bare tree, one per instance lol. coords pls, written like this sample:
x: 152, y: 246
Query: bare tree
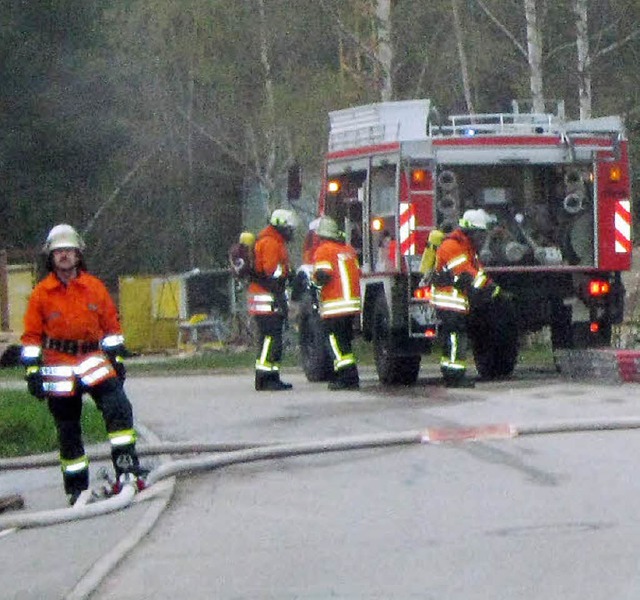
x: 533, y: 51
x: 462, y: 55
x: 586, y: 58
x: 373, y: 44
x: 270, y: 135
x: 582, y: 47
x: 385, y: 52
x: 534, y: 54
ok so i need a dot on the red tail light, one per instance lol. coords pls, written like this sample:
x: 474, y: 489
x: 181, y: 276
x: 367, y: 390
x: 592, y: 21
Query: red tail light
x: 598, y: 287
x: 422, y: 293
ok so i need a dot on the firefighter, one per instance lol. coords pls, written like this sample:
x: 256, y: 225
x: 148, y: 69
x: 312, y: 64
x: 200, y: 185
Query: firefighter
x: 337, y: 272
x: 266, y: 297
x: 459, y: 284
x: 72, y: 344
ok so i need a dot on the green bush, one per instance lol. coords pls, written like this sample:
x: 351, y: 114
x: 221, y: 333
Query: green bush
x: 26, y: 427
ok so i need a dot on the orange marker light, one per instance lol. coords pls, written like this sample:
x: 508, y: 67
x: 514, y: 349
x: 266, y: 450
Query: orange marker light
x: 333, y: 186
x: 615, y: 174
x: 418, y: 176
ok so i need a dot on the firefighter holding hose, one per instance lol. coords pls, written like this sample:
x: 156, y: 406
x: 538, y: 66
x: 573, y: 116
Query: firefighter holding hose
x: 459, y: 284
x: 336, y: 272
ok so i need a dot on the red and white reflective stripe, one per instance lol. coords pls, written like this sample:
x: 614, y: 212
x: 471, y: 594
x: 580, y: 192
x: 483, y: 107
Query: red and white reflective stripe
x: 407, y: 229
x: 94, y: 370
x: 623, y: 226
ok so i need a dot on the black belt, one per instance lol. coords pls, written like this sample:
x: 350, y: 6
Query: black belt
x: 71, y: 346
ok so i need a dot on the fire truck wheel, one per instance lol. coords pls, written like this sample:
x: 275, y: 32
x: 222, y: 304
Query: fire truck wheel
x: 314, y: 354
x: 494, y: 340
x: 392, y: 368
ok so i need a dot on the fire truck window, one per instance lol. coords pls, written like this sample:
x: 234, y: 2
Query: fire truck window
x: 384, y: 242
x: 346, y: 205
x: 383, y: 190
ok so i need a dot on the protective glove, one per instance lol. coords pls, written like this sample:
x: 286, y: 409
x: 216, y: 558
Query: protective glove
x: 115, y: 356
x: 464, y: 282
x: 299, y: 284
x: 35, y: 383
x: 281, y: 305
x: 501, y: 295
x: 121, y: 370
x: 322, y: 277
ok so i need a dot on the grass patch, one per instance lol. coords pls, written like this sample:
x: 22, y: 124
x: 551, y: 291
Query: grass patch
x: 26, y: 426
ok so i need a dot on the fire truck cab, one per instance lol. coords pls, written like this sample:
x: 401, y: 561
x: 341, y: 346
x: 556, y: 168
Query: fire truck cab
x: 559, y: 193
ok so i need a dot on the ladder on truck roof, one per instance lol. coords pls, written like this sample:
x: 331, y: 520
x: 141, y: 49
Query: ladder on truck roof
x: 409, y: 120
x: 377, y: 123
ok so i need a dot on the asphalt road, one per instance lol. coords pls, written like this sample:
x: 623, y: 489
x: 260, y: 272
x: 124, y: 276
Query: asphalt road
x: 536, y: 516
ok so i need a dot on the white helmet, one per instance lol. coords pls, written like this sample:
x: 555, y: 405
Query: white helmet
x: 328, y: 228
x: 314, y: 224
x: 476, y: 219
x: 63, y: 236
x: 282, y: 217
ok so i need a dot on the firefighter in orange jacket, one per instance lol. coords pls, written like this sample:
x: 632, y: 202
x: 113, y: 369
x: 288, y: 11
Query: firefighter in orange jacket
x: 460, y: 283
x: 266, y: 297
x: 72, y: 343
x: 337, y: 272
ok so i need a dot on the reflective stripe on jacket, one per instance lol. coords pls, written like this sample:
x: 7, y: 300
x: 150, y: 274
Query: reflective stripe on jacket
x: 61, y: 380
x: 271, y: 261
x: 456, y: 255
x: 340, y: 296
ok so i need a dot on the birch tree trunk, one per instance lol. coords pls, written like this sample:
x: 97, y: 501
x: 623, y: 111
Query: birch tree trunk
x: 385, y: 52
x: 190, y: 220
x: 462, y: 56
x: 268, y: 168
x: 584, y: 60
x: 534, y: 54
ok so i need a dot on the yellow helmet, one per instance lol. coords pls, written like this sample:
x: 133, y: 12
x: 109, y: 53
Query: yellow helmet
x: 63, y: 236
x: 247, y: 238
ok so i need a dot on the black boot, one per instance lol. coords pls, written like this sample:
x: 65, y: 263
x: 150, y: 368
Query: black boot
x: 125, y: 460
x: 461, y: 382
x: 75, y: 484
x: 270, y: 382
x: 346, y: 379
x: 276, y: 385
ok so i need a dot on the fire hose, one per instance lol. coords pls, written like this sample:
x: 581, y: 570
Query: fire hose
x: 227, y: 454
x: 161, y: 480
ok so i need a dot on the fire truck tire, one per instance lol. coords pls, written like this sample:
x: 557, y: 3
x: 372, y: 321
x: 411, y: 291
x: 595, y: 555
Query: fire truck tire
x: 314, y: 353
x: 392, y: 368
x: 494, y: 340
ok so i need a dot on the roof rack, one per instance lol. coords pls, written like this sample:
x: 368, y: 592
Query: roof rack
x: 501, y: 123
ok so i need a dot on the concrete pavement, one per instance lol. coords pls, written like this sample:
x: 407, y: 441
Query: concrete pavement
x: 69, y: 560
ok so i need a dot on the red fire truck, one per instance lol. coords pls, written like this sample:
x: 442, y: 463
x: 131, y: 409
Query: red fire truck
x: 558, y: 189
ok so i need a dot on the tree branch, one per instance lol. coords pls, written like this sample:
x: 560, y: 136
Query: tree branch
x: 350, y: 35
x: 502, y: 28
x: 116, y: 192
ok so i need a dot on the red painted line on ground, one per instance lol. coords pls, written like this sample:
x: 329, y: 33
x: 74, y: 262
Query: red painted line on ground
x: 459, y: 434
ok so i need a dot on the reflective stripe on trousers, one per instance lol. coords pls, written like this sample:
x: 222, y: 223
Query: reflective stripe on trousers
x: 340, y: 360
x: 262, y: 363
